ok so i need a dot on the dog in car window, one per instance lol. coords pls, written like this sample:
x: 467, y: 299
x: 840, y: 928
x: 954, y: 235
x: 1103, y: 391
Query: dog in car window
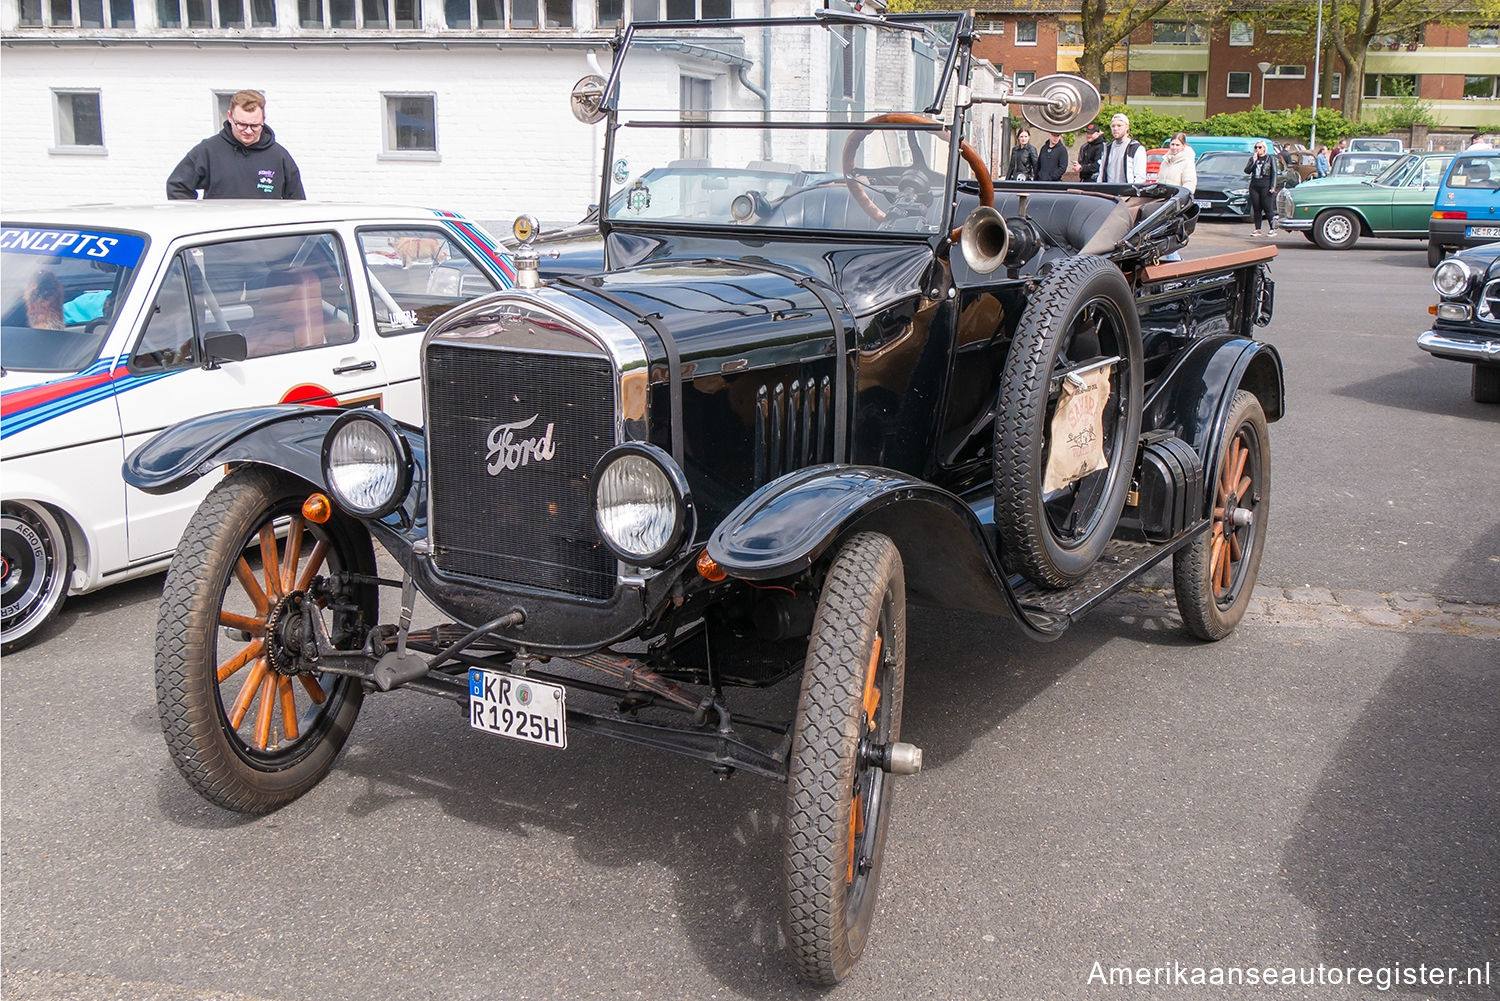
x: 44, y: 303
x: 412, y: 249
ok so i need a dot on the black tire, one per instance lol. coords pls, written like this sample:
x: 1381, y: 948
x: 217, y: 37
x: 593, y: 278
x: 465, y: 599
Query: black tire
x: 1215, y: 573
x: 838, y: 804
x: 1485, y: 384
x: 1435, y: 254
x: 1083, y: 309
x: 1336, y: 230
x: 1307, y: 234
x: 35, y: 564
x: 237, y: 764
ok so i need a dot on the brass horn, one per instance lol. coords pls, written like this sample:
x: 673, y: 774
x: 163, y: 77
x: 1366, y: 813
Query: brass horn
x: 985, y: 239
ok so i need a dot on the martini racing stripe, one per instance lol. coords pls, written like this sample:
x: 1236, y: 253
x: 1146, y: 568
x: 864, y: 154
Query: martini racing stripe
x: 23, y: 409
x: 477, y: 242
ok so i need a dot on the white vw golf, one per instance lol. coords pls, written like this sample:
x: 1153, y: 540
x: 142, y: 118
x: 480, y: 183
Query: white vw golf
x: 118, y: 322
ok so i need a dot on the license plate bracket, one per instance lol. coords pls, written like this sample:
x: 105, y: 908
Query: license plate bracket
x: 518, y: 707
x: 1484, y: 231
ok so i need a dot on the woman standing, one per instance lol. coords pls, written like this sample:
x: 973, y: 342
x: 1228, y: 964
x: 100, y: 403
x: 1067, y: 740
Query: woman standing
x: 1180, y: 169
x: 1262, y: 171
x: 1022, y: 159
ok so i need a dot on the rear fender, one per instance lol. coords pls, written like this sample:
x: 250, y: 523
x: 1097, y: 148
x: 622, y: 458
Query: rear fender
x: 1193, y: 400
x: 790, y: 523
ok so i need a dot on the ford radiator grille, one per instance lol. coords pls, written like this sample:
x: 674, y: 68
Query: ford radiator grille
x: 512, y: 440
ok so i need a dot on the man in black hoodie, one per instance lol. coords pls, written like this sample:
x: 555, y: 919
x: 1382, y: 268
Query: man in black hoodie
x: 243, y: 160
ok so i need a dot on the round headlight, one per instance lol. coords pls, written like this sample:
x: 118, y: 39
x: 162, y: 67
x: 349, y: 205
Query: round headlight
x: 1451, y: 277
x: 640, y: 503
x: 366, y: 464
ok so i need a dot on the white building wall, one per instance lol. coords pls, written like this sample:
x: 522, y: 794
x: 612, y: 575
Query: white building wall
x: 506, y: 140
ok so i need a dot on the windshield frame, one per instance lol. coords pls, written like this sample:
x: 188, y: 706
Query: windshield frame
x: 951, y: 64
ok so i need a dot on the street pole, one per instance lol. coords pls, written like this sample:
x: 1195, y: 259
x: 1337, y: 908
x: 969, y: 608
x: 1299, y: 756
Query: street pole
x: 1263, y: 67
x: 1312, y: 139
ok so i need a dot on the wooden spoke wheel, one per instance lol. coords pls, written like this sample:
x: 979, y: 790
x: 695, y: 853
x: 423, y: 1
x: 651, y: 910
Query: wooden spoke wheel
x: 1214, y: 575
x: 838, y: 801
x: 249, y: 726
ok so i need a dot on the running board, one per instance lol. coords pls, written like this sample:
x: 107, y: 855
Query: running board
x: 1122, y: 562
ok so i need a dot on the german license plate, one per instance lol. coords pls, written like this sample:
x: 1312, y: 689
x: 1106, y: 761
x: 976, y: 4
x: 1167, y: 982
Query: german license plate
x: 1484, y: 231
x: 1202, y: 204
x: 522, y: 708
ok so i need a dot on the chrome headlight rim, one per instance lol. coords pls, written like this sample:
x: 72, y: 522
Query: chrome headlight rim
x: 680, y: 536
x: 1452, y: 266
x: 401, y: 455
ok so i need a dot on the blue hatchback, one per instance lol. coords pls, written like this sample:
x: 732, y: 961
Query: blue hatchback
x: 1467, y: 210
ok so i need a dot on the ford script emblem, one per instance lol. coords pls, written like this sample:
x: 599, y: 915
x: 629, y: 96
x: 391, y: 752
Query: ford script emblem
x: 509, y: 452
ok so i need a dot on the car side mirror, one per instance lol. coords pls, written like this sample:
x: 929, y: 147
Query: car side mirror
x: 223, y: 346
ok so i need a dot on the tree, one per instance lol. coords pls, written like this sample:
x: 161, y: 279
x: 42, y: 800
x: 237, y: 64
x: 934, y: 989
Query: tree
x: 1351, y: 25
x: 1107, y: 23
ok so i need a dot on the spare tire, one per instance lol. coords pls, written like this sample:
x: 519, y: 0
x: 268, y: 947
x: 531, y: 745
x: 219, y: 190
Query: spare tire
x: 1082, y: 311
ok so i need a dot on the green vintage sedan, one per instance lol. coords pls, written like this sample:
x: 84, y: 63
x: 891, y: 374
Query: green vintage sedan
x: 1397, y: 202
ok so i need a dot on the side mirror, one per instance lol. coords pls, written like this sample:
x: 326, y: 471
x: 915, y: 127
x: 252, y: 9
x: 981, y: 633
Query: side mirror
x: 223, y: 346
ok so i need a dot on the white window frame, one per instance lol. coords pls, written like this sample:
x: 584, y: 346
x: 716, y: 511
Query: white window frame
x: 1186, y: 75
x: 326, y: 24
x: 1282, y: 28
x: 1229, y: 90
x: 1288, y: 71
x: 1189, y: 28
x: 1021, y: 40
x: 1023, y: 79
x: 1488, y: 36
x: 656, y: 10
x: 1241, y: 33
x: 1337, y: 89
x: 44, y: 17
x: 388, y: 150
x: 75, y: 149
x: 247, y: 12
x: 1494, y: 86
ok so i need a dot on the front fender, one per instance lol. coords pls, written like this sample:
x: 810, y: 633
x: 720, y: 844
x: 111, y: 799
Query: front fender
x: 288, y: 438
x: 788, y: 524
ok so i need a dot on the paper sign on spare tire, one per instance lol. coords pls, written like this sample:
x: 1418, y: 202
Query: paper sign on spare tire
x: 1077, y: 445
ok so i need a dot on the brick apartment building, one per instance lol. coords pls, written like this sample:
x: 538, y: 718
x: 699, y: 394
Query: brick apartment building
x: 1196, y: 70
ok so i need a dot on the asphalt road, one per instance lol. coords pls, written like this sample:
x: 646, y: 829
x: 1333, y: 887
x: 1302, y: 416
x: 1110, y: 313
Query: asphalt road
x: 1319, y: 788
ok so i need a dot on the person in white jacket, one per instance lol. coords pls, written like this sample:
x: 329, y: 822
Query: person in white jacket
x: 1179, y: 167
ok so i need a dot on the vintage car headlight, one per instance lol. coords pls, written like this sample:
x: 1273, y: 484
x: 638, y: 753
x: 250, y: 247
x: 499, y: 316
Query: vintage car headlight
x: 641, y: 503
x: 1451, y: 278
x: 366, y: 463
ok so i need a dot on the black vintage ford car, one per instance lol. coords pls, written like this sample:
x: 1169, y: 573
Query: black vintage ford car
x: 811, y: 367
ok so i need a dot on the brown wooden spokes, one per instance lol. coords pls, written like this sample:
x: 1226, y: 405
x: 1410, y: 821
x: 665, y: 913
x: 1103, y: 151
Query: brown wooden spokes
x: 249, y: 603
x: 1230, y: 492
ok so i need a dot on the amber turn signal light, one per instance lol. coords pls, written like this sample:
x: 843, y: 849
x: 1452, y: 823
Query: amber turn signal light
x: 708, y: 569
x: 317, y: 509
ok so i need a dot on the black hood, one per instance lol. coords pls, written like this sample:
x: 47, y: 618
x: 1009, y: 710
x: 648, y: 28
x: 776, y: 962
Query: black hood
x: 266, y: 141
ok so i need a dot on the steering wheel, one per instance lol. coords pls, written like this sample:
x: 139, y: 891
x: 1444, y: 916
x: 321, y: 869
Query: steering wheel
x: 856, y: 187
